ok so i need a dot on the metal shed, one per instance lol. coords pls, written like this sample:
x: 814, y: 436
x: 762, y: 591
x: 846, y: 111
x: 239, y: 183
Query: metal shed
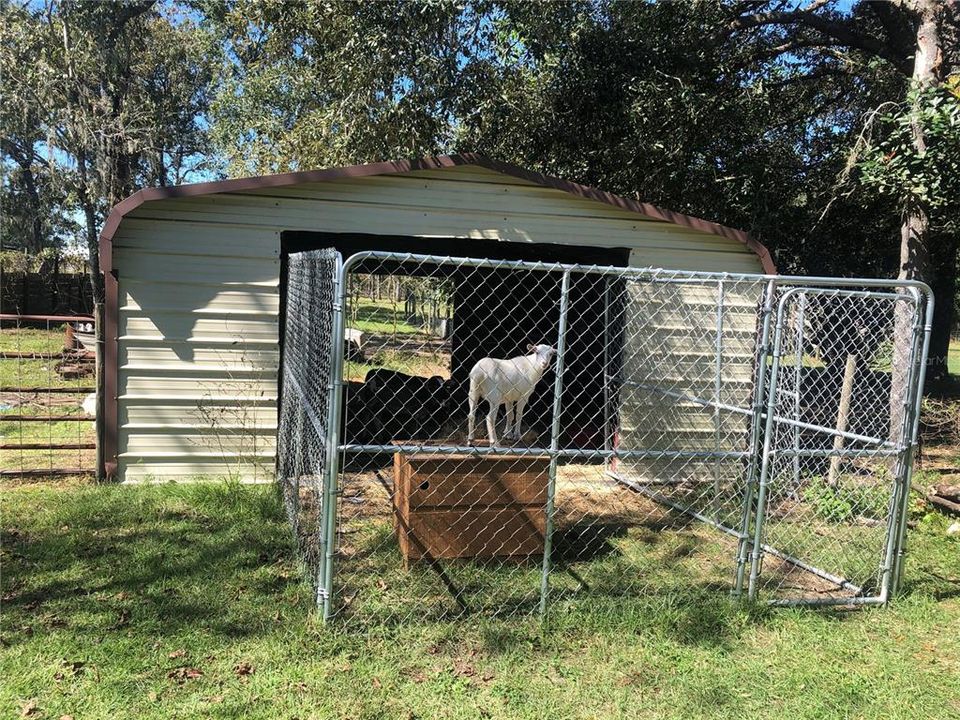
x: 194, y: 283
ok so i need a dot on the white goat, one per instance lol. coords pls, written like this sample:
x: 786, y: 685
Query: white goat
x: 506, y: 382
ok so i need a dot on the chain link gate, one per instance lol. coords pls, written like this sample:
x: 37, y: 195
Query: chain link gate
x: 669, y: 433
x: 840, y: 428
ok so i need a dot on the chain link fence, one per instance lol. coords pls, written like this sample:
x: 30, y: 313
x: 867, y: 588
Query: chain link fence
x: 307, y: 367
x: 637, y: 433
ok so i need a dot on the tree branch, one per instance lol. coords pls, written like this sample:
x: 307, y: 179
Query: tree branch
x: 838, y: 30
x: 124, y: 13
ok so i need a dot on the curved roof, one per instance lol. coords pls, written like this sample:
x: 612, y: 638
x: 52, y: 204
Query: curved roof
x: 405, y: 166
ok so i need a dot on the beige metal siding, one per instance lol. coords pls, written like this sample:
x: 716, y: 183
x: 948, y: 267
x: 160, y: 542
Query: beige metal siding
x: 199, y: 293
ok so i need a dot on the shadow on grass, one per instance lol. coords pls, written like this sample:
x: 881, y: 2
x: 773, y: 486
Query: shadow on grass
x: 661, y: 577
x: 219, y: 559
x: 156, y: 560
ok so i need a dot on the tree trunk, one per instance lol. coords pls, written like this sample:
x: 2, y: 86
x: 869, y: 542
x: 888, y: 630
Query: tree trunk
x: 915, y: 227
x: 37, y: 236
x: 91, y: 228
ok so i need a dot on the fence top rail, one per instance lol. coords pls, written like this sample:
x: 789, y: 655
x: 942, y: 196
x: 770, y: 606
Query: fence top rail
x: 648, y: 273
x: 46, y: 318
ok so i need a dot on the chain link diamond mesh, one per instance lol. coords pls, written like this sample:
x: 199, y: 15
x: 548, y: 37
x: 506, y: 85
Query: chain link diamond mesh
x: 662, y: 433
x: 306, y: 366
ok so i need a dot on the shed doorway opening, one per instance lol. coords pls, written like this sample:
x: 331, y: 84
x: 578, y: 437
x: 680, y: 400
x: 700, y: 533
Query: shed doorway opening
x: 412, y: 334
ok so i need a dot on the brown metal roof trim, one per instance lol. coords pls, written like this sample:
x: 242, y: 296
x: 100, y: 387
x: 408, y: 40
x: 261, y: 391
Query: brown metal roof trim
x: 405, y: 166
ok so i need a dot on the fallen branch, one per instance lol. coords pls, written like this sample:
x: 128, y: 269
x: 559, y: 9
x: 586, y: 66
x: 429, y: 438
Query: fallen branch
x: 951, y: 507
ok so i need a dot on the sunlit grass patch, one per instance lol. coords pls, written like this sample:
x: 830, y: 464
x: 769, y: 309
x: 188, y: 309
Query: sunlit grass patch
x: 186, y: 601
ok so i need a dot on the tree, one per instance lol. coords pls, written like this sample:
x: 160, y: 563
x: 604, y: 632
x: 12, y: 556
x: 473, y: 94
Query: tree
x: 916, y: 40
x: 101, y: 99
x: 316, y: 84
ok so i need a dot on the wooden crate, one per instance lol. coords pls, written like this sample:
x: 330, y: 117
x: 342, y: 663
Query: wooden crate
x: 467, y: 506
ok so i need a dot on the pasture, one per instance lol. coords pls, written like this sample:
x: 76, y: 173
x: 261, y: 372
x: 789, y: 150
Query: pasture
x: 186, y: 601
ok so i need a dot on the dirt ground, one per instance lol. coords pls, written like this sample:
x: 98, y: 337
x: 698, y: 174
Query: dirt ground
x: 590, y: 509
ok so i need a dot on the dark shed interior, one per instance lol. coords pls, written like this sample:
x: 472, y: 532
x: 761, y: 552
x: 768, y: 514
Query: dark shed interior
x: 496, y: 313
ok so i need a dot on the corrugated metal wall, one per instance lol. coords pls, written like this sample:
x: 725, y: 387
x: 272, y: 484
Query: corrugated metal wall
x: 199, y: 293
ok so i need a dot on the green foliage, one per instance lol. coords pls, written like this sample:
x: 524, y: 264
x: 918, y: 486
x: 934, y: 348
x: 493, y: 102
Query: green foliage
x: 928, y: 175
x: 99, y: 100
x: 317, y: 84
x: 747, y: 114
x: 25, y: 261
x: 852, y: 497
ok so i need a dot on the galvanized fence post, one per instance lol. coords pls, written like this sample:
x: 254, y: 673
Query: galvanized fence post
x: 759, y: 384
x: 904, y: 456
x: 554, y: 441
x: 767, y: 442
x: 717, y: 390
x: 607, y: 439
x: 799, y: 339
x: 334, y: 409
x: 911, y: 437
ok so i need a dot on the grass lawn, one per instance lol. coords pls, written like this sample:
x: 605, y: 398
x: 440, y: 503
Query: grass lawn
x: 29, y: 372
x: 185, y: 601
x: 32, y: 340
x: 381, y: 317
x: 953, y: 358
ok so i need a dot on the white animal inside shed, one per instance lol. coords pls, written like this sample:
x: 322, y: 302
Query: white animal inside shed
x: 506, y: 382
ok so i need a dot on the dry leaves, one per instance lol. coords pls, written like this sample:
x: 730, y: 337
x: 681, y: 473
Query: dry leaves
x: 182, y: 674
x: 177, y: 654
x: 30, y: 708
x: 242, y: 669
x: 123, y: 619
x: 463, y: 669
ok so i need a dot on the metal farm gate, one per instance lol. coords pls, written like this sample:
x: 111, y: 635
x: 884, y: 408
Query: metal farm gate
x: 675, y: 434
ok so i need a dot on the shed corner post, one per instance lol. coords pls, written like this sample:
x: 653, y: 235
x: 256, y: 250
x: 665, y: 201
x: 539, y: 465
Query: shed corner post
x: 554, y: 442
x: 99, y: 465
x: 108, y: 380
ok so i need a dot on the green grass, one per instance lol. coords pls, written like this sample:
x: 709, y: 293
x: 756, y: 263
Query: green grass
x: 62, y: 432
x: 425, y: 365
x: 378, y: 316
x: 184, y: 601
x: 34, y: 340
x: 953, y: 358
x: 33, y: 373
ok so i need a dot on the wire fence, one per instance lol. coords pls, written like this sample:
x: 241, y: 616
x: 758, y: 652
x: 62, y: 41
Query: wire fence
x: 635, y: 433
x: 47, y: 391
